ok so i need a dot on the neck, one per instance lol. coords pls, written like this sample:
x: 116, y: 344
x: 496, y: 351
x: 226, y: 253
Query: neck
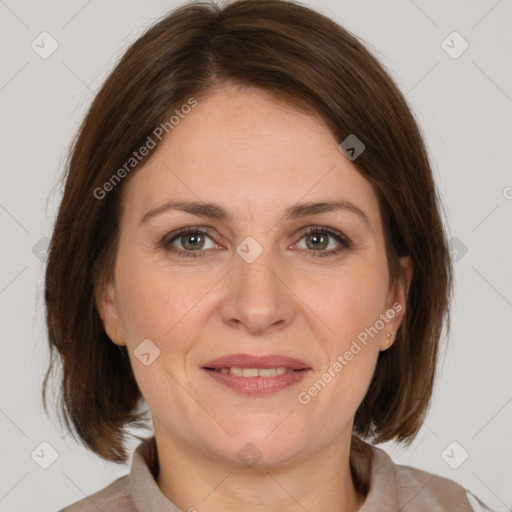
x: 196, y: 480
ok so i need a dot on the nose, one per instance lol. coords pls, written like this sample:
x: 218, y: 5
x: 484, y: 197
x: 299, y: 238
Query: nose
x: 259, y: 299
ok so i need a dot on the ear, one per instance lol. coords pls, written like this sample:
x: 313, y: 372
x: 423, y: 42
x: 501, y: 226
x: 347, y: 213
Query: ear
x: 396, y: 304
x: 109, y: 314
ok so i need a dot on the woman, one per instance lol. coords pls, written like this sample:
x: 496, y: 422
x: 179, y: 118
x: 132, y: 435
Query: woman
x: 249, y: 242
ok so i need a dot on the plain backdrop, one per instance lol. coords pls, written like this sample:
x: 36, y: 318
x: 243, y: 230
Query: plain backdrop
x: 463, y: 102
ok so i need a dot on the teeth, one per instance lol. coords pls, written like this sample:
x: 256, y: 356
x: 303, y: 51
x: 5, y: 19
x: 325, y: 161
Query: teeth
x: 269, y: 372
x: 256, y: 372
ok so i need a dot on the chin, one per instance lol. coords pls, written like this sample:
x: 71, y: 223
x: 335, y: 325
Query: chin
x: 253, y: 447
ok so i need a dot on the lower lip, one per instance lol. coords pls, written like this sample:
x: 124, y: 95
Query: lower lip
x: 257, y: 385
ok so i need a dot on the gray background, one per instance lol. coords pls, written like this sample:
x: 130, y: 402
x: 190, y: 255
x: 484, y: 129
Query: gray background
x: 464, y: 107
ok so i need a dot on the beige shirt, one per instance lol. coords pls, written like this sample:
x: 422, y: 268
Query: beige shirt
x: 392, y: 488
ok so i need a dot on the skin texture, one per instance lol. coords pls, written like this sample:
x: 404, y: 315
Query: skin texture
x: 254, y: 156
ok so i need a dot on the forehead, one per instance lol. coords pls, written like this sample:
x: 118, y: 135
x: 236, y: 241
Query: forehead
x: 243, y: 147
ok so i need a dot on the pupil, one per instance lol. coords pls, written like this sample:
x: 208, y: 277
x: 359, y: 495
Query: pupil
x: 319, y: 241
x: 195, y: 239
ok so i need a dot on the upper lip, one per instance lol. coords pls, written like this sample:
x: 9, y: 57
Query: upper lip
x: 249, y: 361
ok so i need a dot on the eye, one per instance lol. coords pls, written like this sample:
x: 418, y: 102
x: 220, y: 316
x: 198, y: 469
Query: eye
x: 319, y: 241
x: 189, y: 242
x: 194, y: 242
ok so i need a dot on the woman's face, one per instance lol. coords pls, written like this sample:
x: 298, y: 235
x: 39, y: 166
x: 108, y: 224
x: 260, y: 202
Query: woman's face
x: 256, y: 284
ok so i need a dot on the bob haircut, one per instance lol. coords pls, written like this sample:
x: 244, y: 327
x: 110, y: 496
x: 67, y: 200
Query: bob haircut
x: 307, y: 60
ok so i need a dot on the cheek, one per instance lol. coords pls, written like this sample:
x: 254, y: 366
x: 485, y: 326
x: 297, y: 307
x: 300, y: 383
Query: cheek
x: 164, y: 307
x: 349, y: 309
x: 154, y: 300
x: 351, y: 300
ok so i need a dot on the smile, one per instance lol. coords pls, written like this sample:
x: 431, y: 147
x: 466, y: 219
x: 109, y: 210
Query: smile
x: 256, y: 381
x: 254, y: 372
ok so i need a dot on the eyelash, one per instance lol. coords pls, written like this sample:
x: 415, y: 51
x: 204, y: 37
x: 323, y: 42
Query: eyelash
x: 167, y: 241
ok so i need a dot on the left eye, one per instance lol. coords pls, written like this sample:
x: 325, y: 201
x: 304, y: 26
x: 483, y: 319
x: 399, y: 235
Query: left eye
x: 318, y: 241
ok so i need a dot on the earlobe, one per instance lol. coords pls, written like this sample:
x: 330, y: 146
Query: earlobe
x: 107, y: 310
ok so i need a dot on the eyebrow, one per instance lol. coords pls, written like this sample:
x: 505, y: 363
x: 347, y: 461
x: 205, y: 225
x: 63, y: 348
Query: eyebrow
x: 294, y: 212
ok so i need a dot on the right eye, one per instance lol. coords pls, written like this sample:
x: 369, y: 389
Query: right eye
x: 189, y: 242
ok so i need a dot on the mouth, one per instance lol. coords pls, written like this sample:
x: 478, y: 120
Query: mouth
x: 256, y: 375
x: 254, y: 372
x: 247, y: 361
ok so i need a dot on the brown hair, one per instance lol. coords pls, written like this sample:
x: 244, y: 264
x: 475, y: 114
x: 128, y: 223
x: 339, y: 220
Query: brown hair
x: 297, y: 54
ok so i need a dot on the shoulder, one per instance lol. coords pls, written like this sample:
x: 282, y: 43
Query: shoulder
x: 416, y: 490
x: 417, y: 486
x: 115, y: 497
x: 476, y: 504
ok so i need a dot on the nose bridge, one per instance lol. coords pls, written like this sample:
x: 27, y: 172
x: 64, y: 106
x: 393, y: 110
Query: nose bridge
x: 254, y: 274
x: 258, y: 298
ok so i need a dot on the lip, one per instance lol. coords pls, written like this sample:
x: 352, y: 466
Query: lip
x: 250, y: 361
x: 257, y: 385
